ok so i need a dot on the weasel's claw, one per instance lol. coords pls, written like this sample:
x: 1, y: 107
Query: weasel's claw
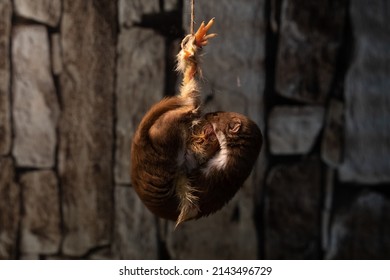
x: 201, y: 38
x: 187, y: 59
x: 205, y: 41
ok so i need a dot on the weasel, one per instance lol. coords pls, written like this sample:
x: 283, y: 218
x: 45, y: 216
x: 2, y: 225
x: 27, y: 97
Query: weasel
x: 185, y: 165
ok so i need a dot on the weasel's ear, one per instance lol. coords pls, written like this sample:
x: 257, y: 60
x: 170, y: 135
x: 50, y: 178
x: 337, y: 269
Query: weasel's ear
x: 234, y: 125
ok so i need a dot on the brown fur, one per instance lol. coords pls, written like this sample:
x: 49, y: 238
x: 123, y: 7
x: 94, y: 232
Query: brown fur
x: 158, y: 154
x: 215, y: 187
x: 180, y: 191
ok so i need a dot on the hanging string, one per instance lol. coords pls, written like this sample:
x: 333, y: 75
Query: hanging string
x: 192, y: 17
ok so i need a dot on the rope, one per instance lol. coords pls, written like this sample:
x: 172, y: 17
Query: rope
x: 192, y: 17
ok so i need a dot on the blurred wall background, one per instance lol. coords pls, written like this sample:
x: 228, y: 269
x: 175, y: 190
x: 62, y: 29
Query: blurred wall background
x: 76, y: 77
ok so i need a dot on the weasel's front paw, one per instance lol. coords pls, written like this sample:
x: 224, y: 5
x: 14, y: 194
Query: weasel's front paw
x: 201, y: 38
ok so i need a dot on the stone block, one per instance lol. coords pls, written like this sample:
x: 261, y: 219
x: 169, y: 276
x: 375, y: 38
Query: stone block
x: 292, y: 214
x: 85, y: 159
x: 363, y: 230
x: 310, y: 37
x: 293, y: 129
x: 41, y: 220
x: 367, y: 98
x: 35, y: 104
x: 45, y: 11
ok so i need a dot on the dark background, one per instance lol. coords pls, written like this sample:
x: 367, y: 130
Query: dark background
x: 76, y: 77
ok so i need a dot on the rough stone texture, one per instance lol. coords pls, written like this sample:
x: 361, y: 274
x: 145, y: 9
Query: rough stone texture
x: 367, y: 98
x: 292, y: 229
x: 9, y: 210
x: 363, y: 230
x: 131, y: 12
x: 140, y: 84
x: 135, y: 235
x: 332, y: 141
x: 35, y: 105
x: 56, y: 57
x: 5, y: 112
x: 228, y: 234
x: 40, y: 227
x: 293, y: 130
x: 310, y: 36
x: 86, y: 128
x: 45, y: 11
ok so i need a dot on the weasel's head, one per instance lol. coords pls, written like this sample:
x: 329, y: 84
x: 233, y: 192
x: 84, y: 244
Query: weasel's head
x: 239, y: 131
x: 203, y: 141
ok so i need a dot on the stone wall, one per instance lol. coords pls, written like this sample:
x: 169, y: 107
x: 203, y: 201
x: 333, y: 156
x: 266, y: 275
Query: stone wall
x: 76, y: 77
